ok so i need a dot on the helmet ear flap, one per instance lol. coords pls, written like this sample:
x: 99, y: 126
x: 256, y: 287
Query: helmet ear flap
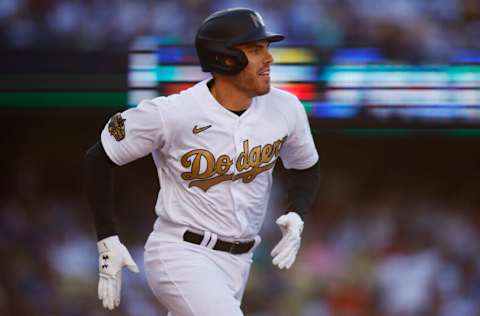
x: 238, y: 58
x: 213, y: 58
x: 224, y: 60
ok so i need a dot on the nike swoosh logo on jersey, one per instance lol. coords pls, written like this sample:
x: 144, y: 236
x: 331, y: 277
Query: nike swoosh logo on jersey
x: 197, y: 130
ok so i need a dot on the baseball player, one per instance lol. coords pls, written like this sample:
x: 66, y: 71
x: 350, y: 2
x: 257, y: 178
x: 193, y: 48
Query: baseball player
x: 214, y: 146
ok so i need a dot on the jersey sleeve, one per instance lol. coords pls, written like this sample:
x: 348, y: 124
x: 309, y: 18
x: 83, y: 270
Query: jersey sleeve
x: 133, y: 133
x: 298, y: 151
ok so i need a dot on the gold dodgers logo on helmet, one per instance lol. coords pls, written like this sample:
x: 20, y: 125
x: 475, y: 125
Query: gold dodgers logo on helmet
x: 116, y: 127
x: 249, y: 164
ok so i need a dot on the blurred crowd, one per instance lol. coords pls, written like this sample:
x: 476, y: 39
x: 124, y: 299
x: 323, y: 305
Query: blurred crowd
x: 404, y: 29
x: 384, y: 259
x: 393, y: 254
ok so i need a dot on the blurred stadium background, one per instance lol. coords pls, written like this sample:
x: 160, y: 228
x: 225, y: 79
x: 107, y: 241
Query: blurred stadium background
x: 392, y: 89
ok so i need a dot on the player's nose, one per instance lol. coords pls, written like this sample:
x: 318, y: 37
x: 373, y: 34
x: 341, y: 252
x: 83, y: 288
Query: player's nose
x: 268, y: 57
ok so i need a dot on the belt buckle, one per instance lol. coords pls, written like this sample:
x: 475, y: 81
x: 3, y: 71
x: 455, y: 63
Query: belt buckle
x: 234, y: 244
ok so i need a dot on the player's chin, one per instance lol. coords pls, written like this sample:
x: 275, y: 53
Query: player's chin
x: 265, y: 90
x: 263, y: 87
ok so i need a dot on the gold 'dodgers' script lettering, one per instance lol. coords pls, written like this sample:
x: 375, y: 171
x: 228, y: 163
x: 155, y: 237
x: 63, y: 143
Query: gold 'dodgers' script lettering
x: 249, y: 164
x: 194, y: 164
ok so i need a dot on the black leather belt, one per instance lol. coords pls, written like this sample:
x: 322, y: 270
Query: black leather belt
x: 235, y: 248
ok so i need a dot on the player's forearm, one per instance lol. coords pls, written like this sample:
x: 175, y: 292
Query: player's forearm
x: 99, y: 188
x: 302, y: 187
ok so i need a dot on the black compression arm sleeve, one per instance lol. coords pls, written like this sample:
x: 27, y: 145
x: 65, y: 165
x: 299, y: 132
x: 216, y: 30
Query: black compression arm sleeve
x: 99, y: 183
x: 302, y: 187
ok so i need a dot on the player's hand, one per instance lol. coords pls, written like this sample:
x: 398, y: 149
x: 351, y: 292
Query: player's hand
x: 113, y: 256
x: 285, y: 251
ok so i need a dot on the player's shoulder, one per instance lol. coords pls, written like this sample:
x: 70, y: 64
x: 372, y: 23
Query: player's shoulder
x: 174, y: 101
x: 165, y: 102
x: 283, y: 100
x: 178, y: 107
x: 283, y: 94
x: 286, y: 98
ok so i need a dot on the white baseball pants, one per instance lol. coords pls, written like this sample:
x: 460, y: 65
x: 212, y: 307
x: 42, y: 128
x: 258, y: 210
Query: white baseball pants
x: 194, y: 280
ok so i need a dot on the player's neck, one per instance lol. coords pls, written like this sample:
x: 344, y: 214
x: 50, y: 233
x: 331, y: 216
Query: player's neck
x: 229, y: 96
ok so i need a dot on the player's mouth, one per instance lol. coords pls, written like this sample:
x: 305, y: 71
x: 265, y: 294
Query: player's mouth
x: 264, y: 72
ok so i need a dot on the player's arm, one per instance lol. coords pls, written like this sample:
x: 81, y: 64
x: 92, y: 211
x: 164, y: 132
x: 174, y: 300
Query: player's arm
x: 300, y: 158
x: 126, y: 137
x: 113, y: 255
x: 302, y: 186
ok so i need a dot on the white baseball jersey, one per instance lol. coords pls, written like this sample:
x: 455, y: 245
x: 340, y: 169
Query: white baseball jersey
x: 215, y: 167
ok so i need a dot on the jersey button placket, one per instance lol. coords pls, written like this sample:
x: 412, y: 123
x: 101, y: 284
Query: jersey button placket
x: 238, y: 139
x: 237, y: 136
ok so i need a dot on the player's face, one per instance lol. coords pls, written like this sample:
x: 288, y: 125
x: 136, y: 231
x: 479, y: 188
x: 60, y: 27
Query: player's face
x: 255, y: 78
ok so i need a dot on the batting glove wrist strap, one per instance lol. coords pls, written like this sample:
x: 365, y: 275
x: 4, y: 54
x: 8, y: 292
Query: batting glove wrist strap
x: 108, y: 243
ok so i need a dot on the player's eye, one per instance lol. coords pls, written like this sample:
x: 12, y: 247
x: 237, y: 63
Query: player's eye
x: 256, y: 49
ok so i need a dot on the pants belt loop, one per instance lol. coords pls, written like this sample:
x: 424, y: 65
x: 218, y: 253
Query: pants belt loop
x: 213, y: 241
x: 206, y: 239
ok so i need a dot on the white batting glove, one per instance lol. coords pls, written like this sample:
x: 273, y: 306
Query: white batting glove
x: 113, y: 255
x: 285, y: 252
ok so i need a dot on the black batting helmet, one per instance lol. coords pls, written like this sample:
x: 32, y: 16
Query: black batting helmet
x: 221, y: 31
